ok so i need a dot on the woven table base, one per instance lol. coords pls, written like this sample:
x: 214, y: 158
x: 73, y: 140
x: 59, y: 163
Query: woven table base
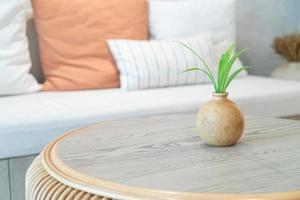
x: 41, y: 186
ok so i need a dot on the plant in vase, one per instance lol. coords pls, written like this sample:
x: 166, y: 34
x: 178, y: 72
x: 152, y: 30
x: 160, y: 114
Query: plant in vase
x: 288, y: 47
x: 220, y: 122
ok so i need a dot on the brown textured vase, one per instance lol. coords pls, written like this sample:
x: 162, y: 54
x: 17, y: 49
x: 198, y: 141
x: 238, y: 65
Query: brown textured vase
x: 220, y: 122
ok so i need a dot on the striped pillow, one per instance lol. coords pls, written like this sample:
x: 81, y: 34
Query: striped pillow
x: 155, y: 64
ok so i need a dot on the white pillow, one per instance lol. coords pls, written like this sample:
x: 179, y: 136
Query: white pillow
x: 15, y: 60
x: 155, y: 64
x: 186, y: 18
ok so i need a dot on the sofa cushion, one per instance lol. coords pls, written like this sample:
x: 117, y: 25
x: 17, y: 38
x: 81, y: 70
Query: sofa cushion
x: 72, y: 39
x: 15, y: 60
x: 195, y: 17
x: 29, y: 122
x: 160, y: 63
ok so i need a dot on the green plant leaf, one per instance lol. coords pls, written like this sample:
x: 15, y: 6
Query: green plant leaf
x: 226, y: 67
x: 202, y: 70
x: 192, y: 69
x: 220, y: 70
x: 237, y: 55
x: 232, y: 76
x: 224, y: 76
x: 229, y: 52
x: 199, y: 57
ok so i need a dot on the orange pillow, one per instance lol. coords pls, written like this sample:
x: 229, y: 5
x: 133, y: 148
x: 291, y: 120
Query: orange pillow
x: 72, y: 38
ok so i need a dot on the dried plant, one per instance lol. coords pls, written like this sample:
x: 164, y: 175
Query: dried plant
x: 288, y: 47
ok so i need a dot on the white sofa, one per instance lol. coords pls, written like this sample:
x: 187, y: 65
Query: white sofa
x: 29, y: 122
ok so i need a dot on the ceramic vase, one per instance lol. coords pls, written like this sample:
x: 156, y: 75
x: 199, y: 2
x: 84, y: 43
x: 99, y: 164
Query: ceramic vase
x: 220, y: 122
x: 289, y: 71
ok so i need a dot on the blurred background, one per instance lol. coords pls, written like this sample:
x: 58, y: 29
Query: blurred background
x: 258, y: 23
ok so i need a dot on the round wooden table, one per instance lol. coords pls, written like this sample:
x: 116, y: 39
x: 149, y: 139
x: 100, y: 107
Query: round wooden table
x: 162, y: 157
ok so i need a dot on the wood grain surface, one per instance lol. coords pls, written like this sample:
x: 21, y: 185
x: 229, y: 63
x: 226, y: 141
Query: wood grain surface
x: 162, y: 157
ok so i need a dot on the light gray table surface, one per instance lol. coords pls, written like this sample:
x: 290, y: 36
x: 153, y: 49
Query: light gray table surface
x: 165, y: 153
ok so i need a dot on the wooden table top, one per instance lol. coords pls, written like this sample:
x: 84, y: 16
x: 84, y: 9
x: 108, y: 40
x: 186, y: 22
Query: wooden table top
x: 162, y: 157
